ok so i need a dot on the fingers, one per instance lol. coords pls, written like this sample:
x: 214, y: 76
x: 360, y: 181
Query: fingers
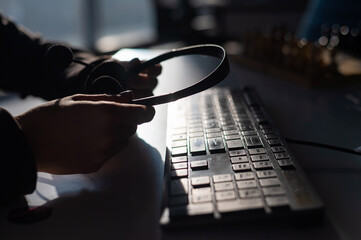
x: 130, y: 114
x: 117, y: 109
x: 153, y: 71
x: 123, y: 97
x: 142, y: 82
x: 134, y: 62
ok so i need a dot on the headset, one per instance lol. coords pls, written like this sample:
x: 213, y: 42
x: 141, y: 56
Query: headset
x: 105, y: 76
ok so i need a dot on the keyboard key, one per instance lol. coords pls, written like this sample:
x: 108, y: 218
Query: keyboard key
x: 253, y: 141
x: 240, y: 205
x: 214, y: 135
x: 242, y: 159
x: 178, y: 137
x: 246, y: 184
x: 227, y: 122
x: 213, y: 130
x: 274, y: 142
x: 249, y: 193
x: 182, y: 165
x: 225, y: 195
x: 237, y: 153
x: 197, y: 146
x: 241, y: 167
x: 200, y: 164
x: 249, y: 133
x: 268, y: 182
x: 277, y: 201
x: 229, y: 127
x: 281, y: 155
x: 234, y: 144
x: 223, y: 186
x: 179, y: 151
x: 245, y: 121
x: 179, y: 173
x: 222, y: 178
x: 254, y: 151
x: 231, y: 132
x: 196, y: 134
x: 215, y: 145
x: 179, y: 187
x: 270, y: 136
x: 200, y: 209
x: 201, y: 197
x: 266, y: 174
x: 232, y: 137
x: 278, y: 149
x: 195, y: 125
x: 191, y: 210
x: 224, y: 116
x: 244, y: 176
x: 211, y: 124
x: 180, y: 143
x: 179, y: 159
x: 271, y: 191
x: 285, y: 163
x: 196, y: 129
x: 200, y: 181
x: 261, y: 157
x: 201, y: 190
x: 247, y: 128
x: 262, y: 165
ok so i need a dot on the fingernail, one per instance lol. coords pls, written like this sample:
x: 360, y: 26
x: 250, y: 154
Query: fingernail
x: 127, y: 92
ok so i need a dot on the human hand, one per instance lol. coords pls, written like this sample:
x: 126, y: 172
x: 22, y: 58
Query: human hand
x: 79, y: 133
x: 143, y: 83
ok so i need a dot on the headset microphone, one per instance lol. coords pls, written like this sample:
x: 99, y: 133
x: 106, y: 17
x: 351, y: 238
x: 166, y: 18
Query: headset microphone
x: 60, y: 56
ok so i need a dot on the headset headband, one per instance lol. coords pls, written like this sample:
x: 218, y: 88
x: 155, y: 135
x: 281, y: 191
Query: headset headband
x: 216, y: 76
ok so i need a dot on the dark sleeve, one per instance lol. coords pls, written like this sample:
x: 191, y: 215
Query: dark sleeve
x: 17, y: 167
x: 25, y: 69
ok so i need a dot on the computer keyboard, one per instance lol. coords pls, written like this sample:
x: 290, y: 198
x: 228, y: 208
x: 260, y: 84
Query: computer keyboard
x: 226, y: 161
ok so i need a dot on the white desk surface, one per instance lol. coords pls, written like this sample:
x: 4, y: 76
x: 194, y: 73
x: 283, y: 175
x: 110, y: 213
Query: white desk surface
x: 122, y: 200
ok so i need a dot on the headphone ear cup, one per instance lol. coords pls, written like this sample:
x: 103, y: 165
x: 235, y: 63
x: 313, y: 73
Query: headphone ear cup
x: 104, y: 84
x: 110, y: 68
x: 107, y: 77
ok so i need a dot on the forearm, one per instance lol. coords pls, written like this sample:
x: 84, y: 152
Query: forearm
x: 18, y: 167
x: 25, y: 69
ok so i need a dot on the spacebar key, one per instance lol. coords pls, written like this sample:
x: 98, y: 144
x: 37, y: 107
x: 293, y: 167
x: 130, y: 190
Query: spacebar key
x: 197, y: 146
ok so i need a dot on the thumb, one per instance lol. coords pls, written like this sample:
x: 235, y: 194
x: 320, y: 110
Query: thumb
x: 134, y: 62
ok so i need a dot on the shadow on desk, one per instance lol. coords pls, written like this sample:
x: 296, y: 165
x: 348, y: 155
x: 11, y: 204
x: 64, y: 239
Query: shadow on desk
x: 118, y: 202
x: 256, y: 230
